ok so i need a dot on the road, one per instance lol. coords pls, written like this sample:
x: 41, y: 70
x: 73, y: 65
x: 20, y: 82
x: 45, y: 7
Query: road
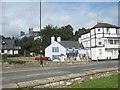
x: 45, y: 72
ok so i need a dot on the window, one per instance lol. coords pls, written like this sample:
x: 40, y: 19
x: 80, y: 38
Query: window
x: 3, y: 43
x: 55, y: 49
x: 115, y: 52
x: 100, y: 52
x: 105, y: 41
x: 107, y: 30
x: 118, y: 41
x: 115, y: 41
x: 55, y: 57
x: 100, y: 43
x: 117, y: 31
x: 110, y: 41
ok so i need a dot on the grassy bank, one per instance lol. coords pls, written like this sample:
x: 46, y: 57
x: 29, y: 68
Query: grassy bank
x: 103, y: 82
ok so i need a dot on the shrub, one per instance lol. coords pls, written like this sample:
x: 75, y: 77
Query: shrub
x: 15, y: 55
x: 16, y: 62
x: 4, y: 57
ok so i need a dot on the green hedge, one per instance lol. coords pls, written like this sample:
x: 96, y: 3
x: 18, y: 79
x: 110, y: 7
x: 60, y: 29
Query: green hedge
x: 16, y: 62
x: 4, y: 56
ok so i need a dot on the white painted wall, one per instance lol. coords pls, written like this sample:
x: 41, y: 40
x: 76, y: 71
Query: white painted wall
x: 9, y: 52
x: 15, y: 51
x: 95, y: 51
x: 49, y: 53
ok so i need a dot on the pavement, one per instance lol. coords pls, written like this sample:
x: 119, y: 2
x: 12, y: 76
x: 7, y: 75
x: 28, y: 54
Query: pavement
x: 28, y: 74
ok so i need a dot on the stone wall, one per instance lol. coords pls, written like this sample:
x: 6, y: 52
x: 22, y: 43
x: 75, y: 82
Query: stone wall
x: 63, y: 81
x: 35, y: 63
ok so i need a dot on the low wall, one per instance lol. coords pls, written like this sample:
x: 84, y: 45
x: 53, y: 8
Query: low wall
x: 33, y: 63
x: 62, y: 81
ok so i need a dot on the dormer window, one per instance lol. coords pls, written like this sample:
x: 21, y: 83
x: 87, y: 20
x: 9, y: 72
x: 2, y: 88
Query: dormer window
x: 3, y: 43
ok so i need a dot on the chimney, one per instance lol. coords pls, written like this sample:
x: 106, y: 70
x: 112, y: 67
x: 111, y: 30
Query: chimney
x: 79, y: 40
x: 52, y: 39
x: 58, y: 39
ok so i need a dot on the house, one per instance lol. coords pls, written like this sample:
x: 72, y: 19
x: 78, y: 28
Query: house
x: 102, y: 41
x: 35, y: 34
x: 8, y: 46
x: 61, y: 50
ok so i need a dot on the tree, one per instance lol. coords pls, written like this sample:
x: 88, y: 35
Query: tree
x: 36, y: 46
x: 66, y: 32
x: 26, y: 44
x: 46, y: 33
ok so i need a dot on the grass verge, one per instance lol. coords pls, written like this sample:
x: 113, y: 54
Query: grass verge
x: 103, y: 82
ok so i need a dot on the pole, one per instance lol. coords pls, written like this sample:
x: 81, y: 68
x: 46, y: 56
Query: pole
x: 40, y: 15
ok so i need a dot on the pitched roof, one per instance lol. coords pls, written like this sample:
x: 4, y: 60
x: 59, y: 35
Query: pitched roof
x: 104, y: 25
x: 71, y: 44
x: 9, y: 44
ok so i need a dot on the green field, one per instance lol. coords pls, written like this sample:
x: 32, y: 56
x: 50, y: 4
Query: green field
x: 103, y: 82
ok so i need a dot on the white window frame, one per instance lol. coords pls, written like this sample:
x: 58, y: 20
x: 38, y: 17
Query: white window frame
x: 100, y: 52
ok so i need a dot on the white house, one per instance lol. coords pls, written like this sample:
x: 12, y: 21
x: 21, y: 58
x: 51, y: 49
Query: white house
x: 60, y: 50
x: 8, y: 46
x: 102, y: 41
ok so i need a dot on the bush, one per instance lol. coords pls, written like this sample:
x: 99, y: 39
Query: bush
x: 15, y: 55
x: 4, y: 57
x: 16, y: 62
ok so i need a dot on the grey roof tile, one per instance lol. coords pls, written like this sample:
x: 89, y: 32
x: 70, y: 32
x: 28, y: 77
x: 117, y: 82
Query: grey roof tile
x: 71, y: 44
x: 9, y: 44
x: 104, y: 25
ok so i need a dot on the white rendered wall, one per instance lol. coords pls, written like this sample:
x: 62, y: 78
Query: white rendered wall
x: 15, y: 51
x: 99, y: 36
x: 49, y: 53
x: 96, y: 55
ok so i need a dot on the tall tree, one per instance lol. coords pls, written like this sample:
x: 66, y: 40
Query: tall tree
x: 26, y: 44
x: 46, y: 33
x: 66, y: 32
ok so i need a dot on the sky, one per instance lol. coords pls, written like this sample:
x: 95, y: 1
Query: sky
x: 19, y: 16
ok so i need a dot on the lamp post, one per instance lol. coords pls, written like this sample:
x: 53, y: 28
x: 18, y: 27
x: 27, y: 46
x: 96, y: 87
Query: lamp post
x: 41, y: 61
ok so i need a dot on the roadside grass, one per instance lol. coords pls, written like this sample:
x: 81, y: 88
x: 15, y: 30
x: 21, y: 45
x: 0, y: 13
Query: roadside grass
x: 103, y: 82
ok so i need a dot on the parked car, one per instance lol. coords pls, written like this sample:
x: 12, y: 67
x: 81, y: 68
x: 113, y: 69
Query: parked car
x: 43, y: 58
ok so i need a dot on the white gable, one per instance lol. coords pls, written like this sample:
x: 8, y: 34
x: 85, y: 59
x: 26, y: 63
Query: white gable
x: 49, y: 53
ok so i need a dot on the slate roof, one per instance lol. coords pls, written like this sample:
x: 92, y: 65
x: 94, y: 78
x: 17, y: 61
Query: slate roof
x: 9, y: 44
x: 71, y: 44
x: 104, y: 25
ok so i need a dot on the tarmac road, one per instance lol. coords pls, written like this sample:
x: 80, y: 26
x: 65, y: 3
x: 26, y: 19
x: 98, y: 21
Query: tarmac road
x: 45, y: 72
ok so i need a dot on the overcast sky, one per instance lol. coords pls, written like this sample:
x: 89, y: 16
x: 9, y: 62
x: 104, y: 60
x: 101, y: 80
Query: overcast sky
x: 19, y: 16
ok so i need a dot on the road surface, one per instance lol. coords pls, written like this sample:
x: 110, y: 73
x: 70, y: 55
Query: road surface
x: 45, y: 72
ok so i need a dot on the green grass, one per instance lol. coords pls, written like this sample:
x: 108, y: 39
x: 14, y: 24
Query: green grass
x: 103, y: 82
